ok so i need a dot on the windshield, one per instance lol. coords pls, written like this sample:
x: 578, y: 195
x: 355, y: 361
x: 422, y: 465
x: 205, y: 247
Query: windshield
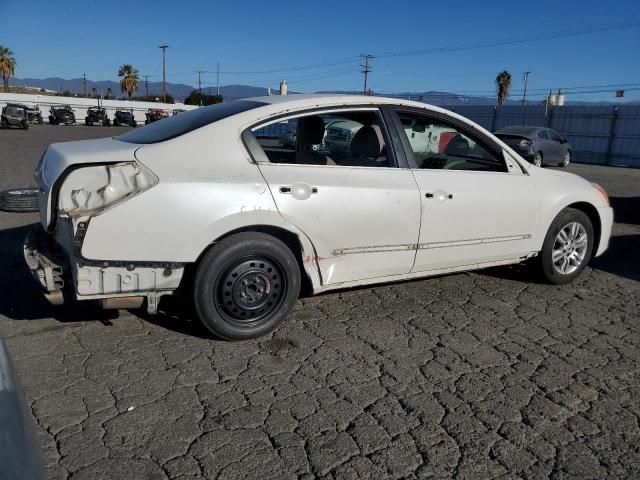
x: 14, y: 112
x: 186, y: 122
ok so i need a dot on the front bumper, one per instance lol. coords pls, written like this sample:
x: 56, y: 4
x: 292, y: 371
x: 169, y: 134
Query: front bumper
x: 606, y: 224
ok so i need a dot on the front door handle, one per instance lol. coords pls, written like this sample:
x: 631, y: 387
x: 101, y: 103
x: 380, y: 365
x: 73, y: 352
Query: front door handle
x: 299, y: 190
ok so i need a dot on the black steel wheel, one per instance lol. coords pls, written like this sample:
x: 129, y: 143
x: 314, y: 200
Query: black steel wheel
x: 246, y: 285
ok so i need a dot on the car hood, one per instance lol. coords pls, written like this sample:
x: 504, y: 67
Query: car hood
x: 59, y: 157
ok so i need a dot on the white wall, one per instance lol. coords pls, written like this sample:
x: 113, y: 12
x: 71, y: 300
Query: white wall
x: 80, y: 105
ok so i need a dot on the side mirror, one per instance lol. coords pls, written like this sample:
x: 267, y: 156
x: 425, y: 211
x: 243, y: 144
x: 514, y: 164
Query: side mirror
x: 564, y: 140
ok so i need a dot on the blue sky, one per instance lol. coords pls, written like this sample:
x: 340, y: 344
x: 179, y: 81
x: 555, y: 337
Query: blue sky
x: 257, y: 36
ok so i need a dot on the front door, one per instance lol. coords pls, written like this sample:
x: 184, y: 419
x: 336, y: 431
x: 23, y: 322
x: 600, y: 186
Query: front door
x: 475, y: 208
x: 340, y: 184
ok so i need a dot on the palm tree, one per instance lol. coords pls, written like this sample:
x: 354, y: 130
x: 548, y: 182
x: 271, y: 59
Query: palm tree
x: 503, y: 82
x: 7, y: 65
x: 130, y: 80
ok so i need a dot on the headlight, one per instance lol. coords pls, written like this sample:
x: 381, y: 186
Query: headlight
x: 92, y: 189
x: 602, y: 192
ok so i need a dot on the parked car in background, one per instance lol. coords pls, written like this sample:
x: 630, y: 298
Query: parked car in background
x: 155, y: 114
x: 34, y: 115
x: 62, y: 115
x: 211, y: 203
x: 538, y: 145
x: 97, y: 115
x: 178, y: 111
x: 124, y: 117
x: 14, y: 115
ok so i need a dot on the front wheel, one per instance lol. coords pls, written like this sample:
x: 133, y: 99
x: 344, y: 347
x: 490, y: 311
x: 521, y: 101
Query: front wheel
x: 567, y: 247
x: 566, y: 159
x: 246, y: 285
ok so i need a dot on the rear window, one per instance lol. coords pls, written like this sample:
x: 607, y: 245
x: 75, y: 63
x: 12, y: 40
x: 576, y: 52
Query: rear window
x: 177, y: 125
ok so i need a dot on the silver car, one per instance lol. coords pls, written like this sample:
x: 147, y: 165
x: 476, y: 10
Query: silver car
x: 538, y: 145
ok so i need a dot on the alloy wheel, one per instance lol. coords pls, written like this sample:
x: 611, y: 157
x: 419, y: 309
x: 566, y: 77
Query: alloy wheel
x: 569, y: 248
x: 566, y: 159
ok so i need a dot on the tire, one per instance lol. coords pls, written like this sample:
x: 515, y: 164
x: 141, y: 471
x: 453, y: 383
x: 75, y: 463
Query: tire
x: 25, y: 126
x: 566, y: 159
x: 19, y: 200
x: 134, y: 124
x: 246, y: 285
x: 553, y: 242
x: 537, y: 159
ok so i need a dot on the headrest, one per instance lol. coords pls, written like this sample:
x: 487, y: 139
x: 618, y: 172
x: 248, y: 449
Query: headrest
x: 367, y: 142
x: 457, y: 146
x: 310, y: 131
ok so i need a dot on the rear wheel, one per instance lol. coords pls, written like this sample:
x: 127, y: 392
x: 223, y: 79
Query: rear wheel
x: 246, y: 285
x: 537, y: 159
x: 567, y: 247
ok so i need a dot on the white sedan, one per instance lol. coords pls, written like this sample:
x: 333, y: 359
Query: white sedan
x: 212, y: 203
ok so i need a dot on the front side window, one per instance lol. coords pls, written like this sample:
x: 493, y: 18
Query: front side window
x: 543, y: 134
x: 354, y: 138
x: 437, y: 144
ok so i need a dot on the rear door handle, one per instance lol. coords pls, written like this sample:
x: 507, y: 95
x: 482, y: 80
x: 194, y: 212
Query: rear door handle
x: 299, y: 190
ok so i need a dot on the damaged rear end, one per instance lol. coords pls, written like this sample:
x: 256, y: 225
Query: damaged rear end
x: 78, y: 181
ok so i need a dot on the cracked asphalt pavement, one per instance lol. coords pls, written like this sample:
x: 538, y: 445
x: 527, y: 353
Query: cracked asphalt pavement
x: 474, y: 375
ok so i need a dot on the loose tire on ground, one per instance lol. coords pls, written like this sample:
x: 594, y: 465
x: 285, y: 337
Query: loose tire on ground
x: 19, y: 200
x: 246, y: 285
x: 554, y: 248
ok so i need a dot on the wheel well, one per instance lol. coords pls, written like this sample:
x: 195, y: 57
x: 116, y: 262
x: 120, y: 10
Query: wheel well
x: 290, y: 239
x: 591, y: 212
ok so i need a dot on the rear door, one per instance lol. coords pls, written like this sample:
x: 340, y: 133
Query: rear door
x: 361, y: 214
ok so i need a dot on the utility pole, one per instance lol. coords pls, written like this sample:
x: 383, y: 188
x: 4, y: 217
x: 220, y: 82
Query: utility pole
x: 164, y: 72
x: 218, y: 78
x: 200, y: 72
x: 84, y: 83
x: 526, y: 78
x: 366, y: 68
x: 146, y: 85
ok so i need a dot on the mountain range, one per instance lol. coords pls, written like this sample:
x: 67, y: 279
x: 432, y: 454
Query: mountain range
x: 231, y: 92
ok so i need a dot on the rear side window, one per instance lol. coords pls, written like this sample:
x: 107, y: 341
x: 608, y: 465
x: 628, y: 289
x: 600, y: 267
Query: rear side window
x: 186, y: 122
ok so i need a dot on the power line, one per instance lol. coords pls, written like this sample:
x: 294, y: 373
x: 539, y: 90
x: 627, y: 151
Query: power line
x: 515, y: 40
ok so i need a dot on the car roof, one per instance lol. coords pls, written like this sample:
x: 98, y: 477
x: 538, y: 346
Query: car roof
x: 523, y: 129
